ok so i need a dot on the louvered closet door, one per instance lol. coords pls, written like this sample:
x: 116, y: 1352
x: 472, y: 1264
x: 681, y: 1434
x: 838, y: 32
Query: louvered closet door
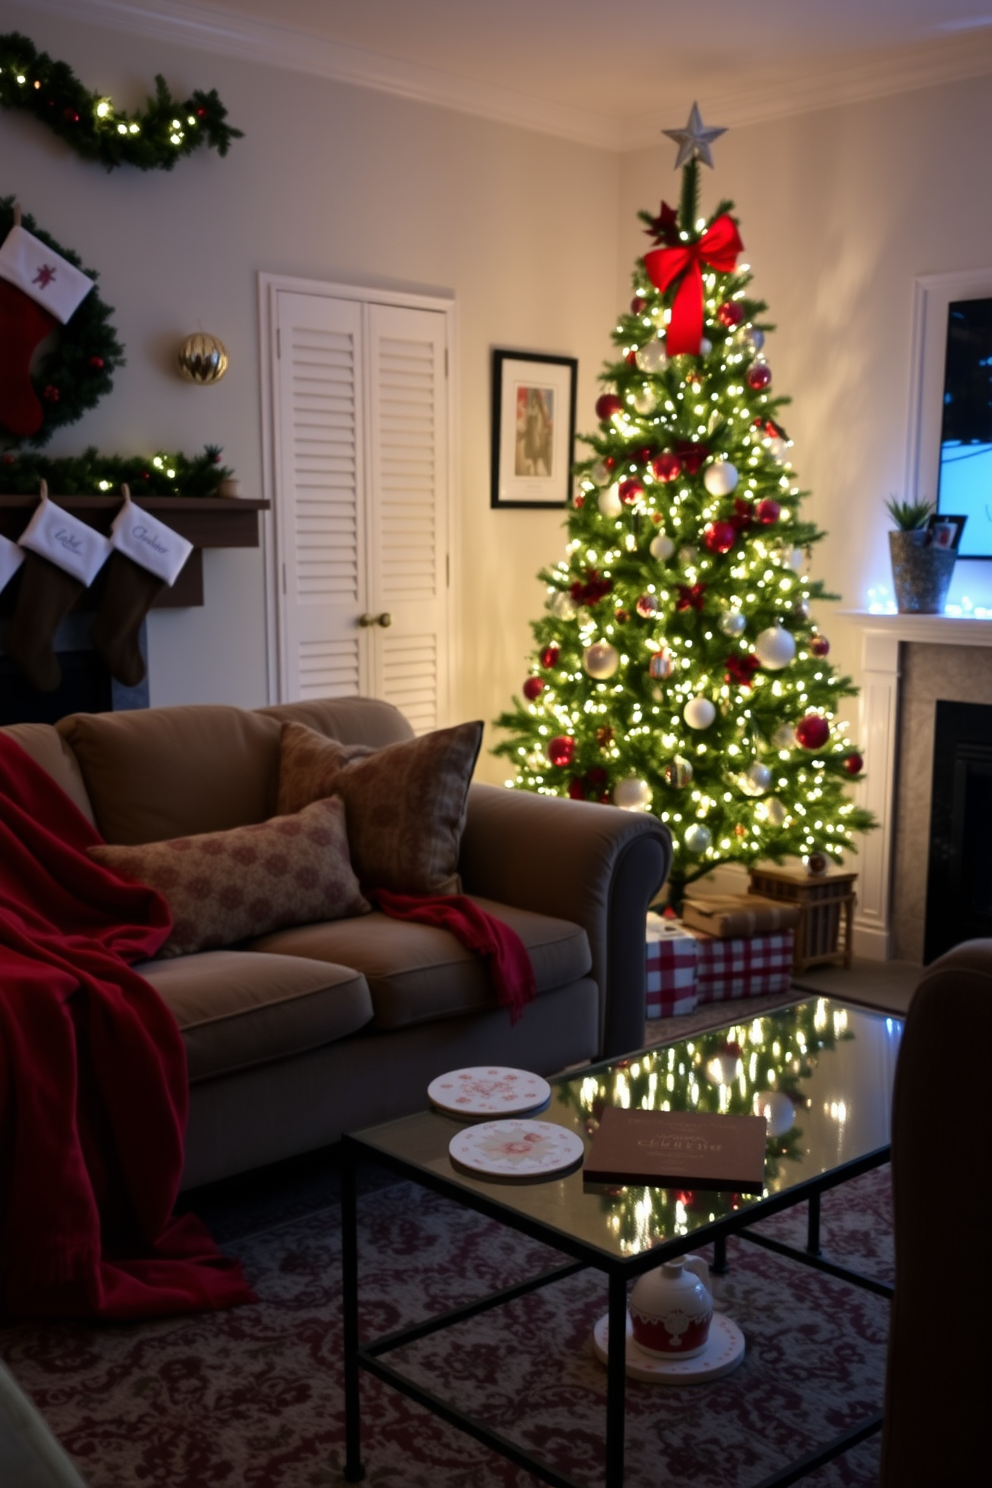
x: 407, y: 468
x: 321, y: 510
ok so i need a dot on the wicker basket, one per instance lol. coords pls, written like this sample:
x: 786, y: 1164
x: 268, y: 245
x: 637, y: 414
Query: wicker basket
x: 826, y: 908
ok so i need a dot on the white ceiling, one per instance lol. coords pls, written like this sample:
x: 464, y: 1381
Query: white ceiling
x: 606, y: 72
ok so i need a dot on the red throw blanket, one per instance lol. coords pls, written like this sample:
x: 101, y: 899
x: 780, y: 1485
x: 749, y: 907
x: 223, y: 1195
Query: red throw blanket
x: 93, y: 1089
x: 509, y: 962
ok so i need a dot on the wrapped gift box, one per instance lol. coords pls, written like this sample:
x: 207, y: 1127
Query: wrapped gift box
x: 748, y: 966
x: 672, y: 959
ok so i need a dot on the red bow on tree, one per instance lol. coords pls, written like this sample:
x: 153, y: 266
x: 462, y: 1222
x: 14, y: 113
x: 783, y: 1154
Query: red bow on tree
x: 741, y: 669
x: 592, y: 591
x: 691, y: 596
x: 718, y: 249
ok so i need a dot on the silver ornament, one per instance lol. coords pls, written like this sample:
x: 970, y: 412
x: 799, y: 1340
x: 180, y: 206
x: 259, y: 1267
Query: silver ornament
x: 733, y: 623
x: 645, y: 400
x: 562, y: 605
x: 662, y: 665
x: 756, y: 779
x: 694, y: 140
x: 601, y: 660
x: 688, y: 556
x: 784, y: 736
x: 720, y: 478
x: 662, y: 547
x: 631, y: 794
x: 802, y: 609
x: 775, y: 648
x: 699, y: 713
x: 601, y: 473
x: 697, y: 839
x: 678, y: 772
x: 609, y: 501
x: 652, y: 358
x: 647, y: 606
x: 775, y: 812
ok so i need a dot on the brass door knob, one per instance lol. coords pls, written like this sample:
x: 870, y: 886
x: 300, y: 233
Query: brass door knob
x: 366, y: 620
x: 385, y: 620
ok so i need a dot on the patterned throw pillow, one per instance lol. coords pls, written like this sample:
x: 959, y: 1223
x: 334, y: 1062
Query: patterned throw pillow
x: 225, y: 886
x: 406, y: 803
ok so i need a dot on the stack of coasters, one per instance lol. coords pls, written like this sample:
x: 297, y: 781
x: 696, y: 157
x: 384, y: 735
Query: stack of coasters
x: 672, y: 962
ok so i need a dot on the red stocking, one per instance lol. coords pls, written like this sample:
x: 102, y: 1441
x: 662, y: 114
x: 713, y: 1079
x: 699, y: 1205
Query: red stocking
x: 23, y: 324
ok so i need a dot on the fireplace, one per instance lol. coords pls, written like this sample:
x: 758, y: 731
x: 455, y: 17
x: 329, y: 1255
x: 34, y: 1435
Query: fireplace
x: 959, y: 880
x: 86, y: 686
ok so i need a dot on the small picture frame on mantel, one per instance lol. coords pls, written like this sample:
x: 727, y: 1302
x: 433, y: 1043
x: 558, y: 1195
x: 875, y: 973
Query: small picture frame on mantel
x: 533, y: 429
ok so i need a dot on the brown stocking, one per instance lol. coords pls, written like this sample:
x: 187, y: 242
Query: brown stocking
x: 46, y: 594
x: 130, y: 591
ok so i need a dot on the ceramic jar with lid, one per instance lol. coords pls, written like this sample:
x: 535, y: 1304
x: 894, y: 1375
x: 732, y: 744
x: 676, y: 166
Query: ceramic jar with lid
x: 671, y: 1308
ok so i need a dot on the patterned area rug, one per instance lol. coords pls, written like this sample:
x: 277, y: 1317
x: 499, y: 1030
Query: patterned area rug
x: 252, y: 1398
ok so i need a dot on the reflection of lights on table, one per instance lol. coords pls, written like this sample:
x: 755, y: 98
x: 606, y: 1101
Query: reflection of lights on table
x: 777, y: 1109
x: 836, y: 1110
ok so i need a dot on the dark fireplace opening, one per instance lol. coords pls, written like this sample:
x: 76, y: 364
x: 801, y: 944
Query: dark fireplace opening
x: 959, y: 879
x: 86, y: 686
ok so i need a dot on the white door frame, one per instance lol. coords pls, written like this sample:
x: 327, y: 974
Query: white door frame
x: 268, y: 287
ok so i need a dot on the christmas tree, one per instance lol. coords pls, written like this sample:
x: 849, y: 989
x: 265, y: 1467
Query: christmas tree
x: 678, y: 665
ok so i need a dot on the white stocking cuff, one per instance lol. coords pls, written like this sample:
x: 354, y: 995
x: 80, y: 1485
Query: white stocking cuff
x: 149, y: 542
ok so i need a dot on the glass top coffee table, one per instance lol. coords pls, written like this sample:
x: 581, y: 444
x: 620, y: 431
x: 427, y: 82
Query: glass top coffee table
x: 821, y: 1073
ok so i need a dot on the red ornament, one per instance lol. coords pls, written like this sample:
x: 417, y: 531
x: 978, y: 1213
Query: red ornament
x: 577, y: 788
x: 201, y: 112
x: 743, y: 514
x: 820, y: 646
x: 691, y: 597
x: 51, y: 393
x: 767, y: 511
x: 667, y: 466
x: 610, y: 461
x: 854, y: 764
x: 644, y: 455
x: 719, y: 537
x: 631, y: 358
x: 622, y: 616
x: 561, y: 751
x: 533, y: 688
x: 637, y: 305
x: 70, y: 116
x: 741, y: 668
x: 693, y: 455
x: 759, y: 375
x: 579, y: 500
x: 607, y: 405
x: 730, y: 314
x: 813, y: 731
x: 630, y: 491
x: 549, y: 655
x: 97, y: 363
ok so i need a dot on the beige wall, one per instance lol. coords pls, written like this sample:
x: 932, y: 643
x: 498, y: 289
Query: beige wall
x: 341, y: 184
x: 535, y: 238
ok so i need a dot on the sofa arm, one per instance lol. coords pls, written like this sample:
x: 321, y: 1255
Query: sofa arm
x: 595, y: 865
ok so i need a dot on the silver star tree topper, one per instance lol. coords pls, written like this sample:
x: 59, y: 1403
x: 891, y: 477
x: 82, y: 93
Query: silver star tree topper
x: 694, y: 140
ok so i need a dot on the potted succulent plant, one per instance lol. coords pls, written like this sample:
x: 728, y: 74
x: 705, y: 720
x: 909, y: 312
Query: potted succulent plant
x: 921, y: 569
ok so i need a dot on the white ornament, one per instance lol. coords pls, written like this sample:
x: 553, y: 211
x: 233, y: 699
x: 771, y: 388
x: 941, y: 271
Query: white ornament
x: 631, y: 794
x: 778, y: 448
x: 705, y: 346
x: 697, y: 839
x: 645, y: 400
x: 784, y: 736
x: 720, y: 478
x: 776, y: 812
x: 562, y: 605
x: 733, y: 623
x: 756, y: 779
x: 699, y: 713
x: 662, y: 547
x: 796, y: 560
x: 688, y: 556
x: 609, y: 501
x: 601, y: 473
x: 777, y: 1109
x: 652, y: 357
x: 601, y: 660
x: 775, y: 648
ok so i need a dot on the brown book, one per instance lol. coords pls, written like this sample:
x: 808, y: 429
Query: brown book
x: 678, y: 1149
x: 731, y: 915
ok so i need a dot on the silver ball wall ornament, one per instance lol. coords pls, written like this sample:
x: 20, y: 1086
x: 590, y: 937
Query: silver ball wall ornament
x: 697, y: 839
x: 733, y: 623
x: 775, y: 648
x: 601, y: 660
x: 202, y: 359
x: 699, y: 713
x: 661, y: 547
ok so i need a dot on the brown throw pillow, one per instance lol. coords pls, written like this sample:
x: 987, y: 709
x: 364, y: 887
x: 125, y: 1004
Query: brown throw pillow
x: 225, y: 886
x: 406, y: 802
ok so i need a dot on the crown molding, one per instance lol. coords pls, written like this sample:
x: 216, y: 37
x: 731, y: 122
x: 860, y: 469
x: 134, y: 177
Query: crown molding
x: 828, y: 83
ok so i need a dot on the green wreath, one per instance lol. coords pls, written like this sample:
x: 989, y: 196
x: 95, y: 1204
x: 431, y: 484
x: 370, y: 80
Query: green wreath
x: 154, y: 138
x: 76, y: 372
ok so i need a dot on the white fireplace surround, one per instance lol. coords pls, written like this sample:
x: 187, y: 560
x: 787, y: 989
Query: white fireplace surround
x: 882, y: 638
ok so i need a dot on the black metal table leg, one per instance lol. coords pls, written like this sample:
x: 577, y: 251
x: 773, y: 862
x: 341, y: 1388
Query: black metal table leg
x: 354, y: 1471
x: 813, y: 1225
x: 719, y: 1266
x: 616, y: 1381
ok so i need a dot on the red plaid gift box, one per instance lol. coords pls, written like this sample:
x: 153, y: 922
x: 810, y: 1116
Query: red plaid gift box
x: 672, y: 958
x: 744, y: 967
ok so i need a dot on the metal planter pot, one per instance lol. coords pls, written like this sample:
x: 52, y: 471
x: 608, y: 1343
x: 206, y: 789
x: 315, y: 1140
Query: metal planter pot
x: 921, y: 572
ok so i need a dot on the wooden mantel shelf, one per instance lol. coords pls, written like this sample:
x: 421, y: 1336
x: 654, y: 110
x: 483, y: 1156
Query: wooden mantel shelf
x: 205, y: 521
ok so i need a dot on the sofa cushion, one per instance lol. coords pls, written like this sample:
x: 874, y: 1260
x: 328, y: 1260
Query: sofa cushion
x: 49, y: 750
x: 156, y: 773
x: 224, y: 886
x: 418, y: 973
x: 236, y: 1009
x: 406, y: 803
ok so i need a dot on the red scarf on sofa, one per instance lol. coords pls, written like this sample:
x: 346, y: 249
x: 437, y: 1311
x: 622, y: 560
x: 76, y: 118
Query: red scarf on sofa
x: 93, y: 1088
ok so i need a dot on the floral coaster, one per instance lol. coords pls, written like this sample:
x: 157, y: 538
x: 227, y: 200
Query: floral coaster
x: 489, y: 1090
x: 516, y: 1149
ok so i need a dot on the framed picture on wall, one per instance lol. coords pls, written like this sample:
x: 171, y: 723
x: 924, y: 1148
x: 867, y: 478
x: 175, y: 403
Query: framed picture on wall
x: 533, y: 429
x: 950, y: 446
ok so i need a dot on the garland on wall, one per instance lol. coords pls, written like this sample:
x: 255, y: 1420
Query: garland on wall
x: 75, y: 372
x: 93, y: 474
x: 153, y: 138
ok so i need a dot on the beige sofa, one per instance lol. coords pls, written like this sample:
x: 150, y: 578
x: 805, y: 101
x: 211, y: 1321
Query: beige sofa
x: 299, y: 1035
